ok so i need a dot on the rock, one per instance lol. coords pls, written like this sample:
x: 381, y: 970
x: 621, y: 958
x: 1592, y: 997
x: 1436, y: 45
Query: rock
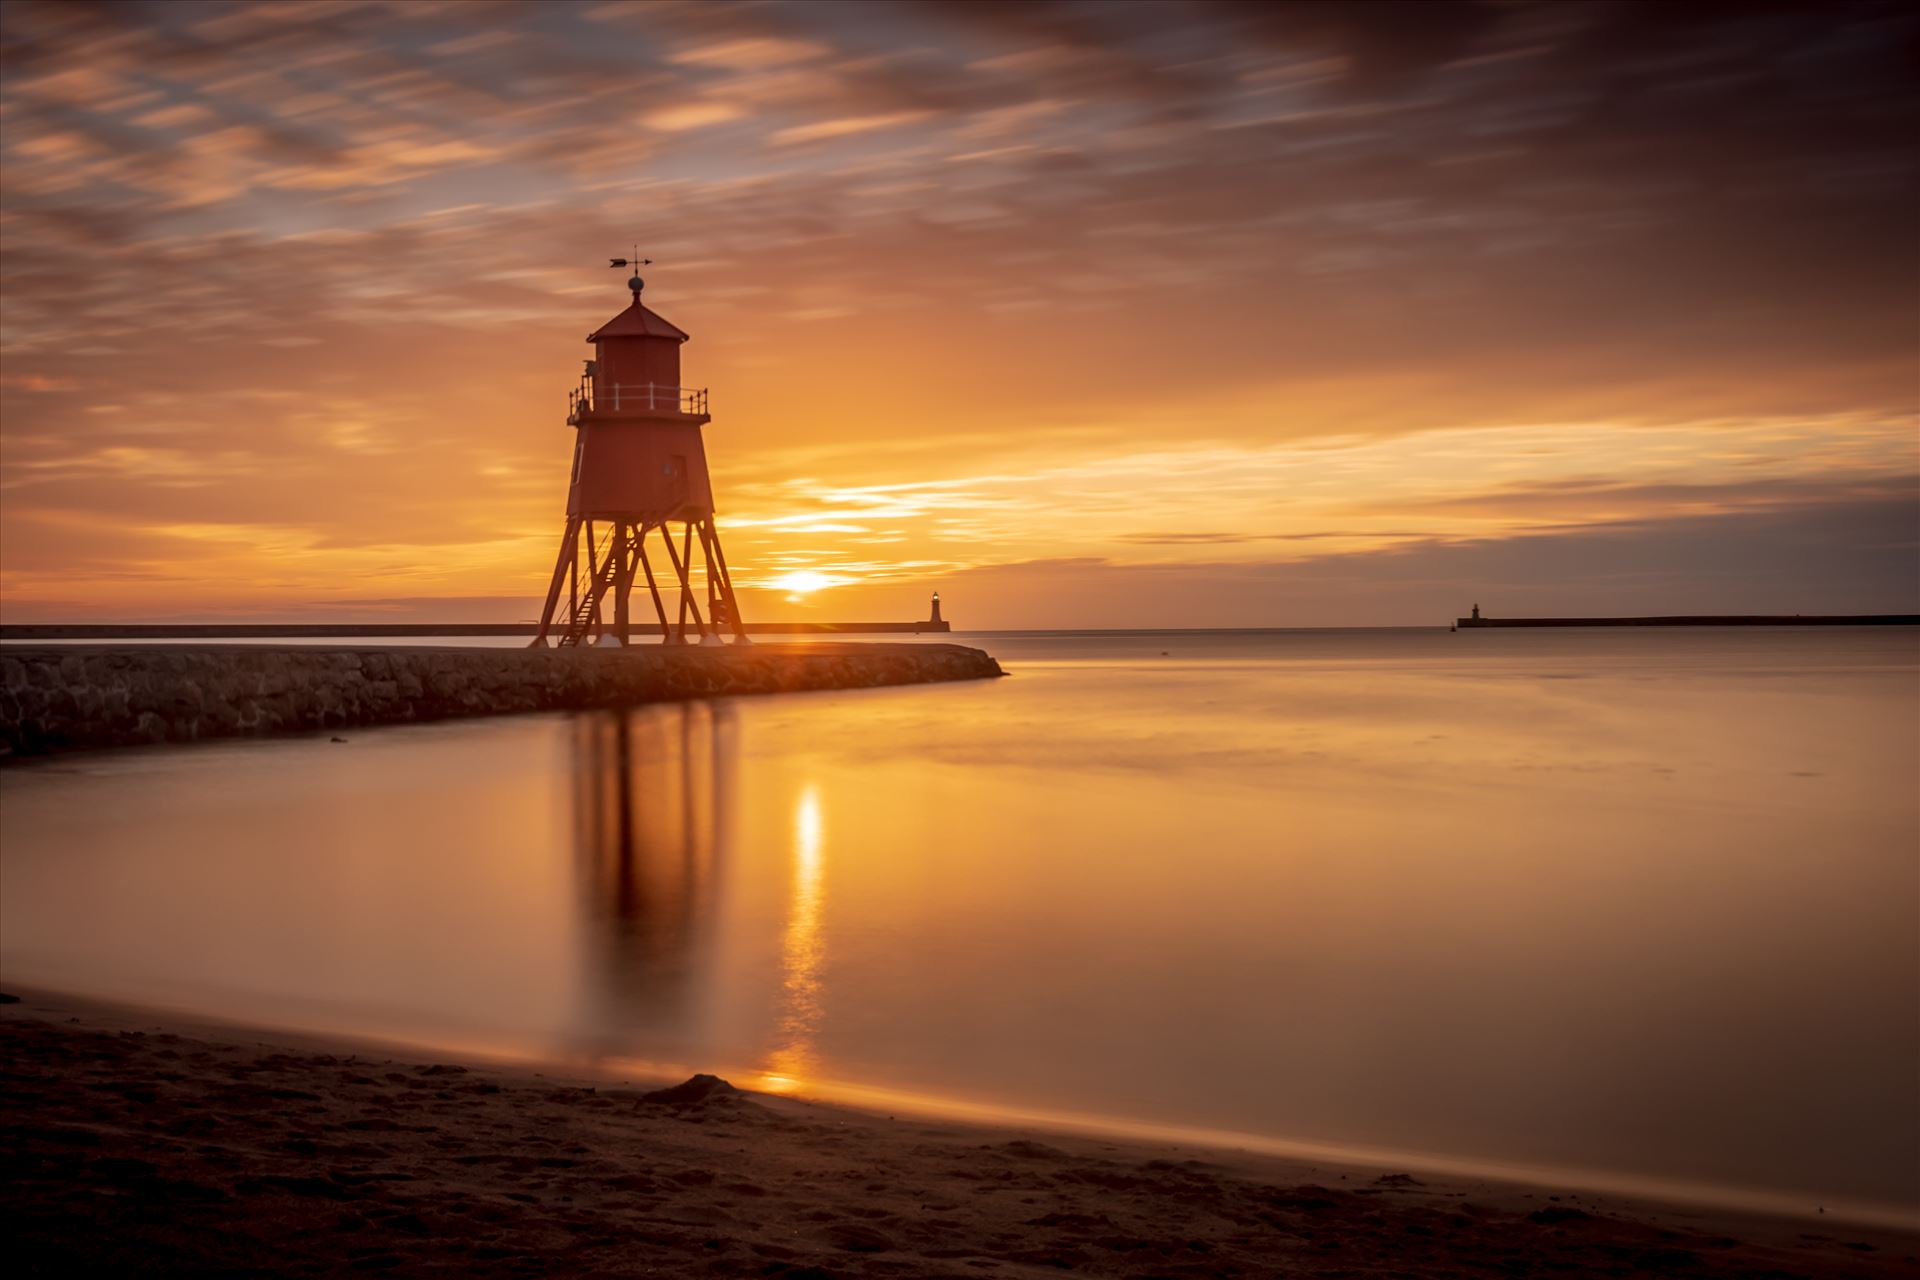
x: 693, y: 1091
x: 1553, y: 1217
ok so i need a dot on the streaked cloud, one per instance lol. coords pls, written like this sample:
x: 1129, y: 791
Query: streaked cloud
x: 1141, y: 288
x: 679, y: 117
x: 751, y: 54
x: 845, y: 126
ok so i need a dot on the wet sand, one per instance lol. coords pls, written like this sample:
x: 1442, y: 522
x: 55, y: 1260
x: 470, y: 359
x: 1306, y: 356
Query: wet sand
x: 134, y: 1142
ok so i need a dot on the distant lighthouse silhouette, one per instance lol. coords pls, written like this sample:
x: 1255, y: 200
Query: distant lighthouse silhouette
x: 639, y: 466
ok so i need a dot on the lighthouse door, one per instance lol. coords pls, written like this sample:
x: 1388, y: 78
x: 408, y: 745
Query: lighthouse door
x: 676, y: 477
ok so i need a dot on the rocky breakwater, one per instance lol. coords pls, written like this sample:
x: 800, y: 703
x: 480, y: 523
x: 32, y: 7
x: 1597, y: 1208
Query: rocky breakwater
x: 67, y: 697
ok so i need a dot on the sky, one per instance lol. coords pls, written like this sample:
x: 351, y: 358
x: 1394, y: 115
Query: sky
x: 1084, y: 315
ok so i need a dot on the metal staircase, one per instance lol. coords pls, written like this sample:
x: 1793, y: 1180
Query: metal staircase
x: 599, y: 582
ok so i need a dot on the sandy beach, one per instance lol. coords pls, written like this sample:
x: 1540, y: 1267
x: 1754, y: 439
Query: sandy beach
x: 136, y: 1142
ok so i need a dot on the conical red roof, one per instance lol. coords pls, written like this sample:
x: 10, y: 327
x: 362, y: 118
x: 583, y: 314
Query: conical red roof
x: 637, y: 322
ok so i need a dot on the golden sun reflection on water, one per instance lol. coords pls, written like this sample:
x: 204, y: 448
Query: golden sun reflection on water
x: 792, y: 1058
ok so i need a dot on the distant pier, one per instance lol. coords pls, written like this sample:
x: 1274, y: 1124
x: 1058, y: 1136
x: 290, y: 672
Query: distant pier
x: 1706, y: 620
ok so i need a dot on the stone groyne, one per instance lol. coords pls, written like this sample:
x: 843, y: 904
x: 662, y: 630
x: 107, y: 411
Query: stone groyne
x: 69, y: 697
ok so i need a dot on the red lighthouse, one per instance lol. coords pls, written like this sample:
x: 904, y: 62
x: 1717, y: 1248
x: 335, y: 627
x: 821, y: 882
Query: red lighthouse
x: 639, y: 465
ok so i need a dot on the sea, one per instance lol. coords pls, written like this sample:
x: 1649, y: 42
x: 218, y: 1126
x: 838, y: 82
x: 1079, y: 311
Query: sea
x: 1636, y: 910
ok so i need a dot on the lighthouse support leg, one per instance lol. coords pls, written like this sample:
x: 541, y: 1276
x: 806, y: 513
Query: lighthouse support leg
x: 636, y: 531
x: 693, y: 602
x: 686, y: 580
x: 681, y: 571
x: 715, y: 556
x: 624, y: 561
x: 708, y: 635
x: 653, y: 588
x: 573, y: 577
x: 667, y: 632
x: 615, y: 561
x: 562, y: 571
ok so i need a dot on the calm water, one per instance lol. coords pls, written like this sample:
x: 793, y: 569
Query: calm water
x: 1628, y: 903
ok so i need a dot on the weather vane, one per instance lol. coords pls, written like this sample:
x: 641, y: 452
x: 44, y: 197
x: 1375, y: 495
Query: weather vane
x: 634, y: 282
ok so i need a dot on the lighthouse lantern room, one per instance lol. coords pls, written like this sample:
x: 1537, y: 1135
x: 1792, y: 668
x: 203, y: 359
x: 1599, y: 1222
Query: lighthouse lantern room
x: 639, y: 473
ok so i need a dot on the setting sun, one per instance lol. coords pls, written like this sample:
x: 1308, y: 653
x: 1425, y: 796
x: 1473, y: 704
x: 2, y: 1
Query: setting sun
x: 806, y: 581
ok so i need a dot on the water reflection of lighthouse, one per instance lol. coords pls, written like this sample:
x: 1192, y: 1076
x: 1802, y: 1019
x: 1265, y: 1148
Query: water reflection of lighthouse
x: 653, y: 790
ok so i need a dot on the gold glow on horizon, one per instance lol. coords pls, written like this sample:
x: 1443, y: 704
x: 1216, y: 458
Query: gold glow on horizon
x: 912, y: 515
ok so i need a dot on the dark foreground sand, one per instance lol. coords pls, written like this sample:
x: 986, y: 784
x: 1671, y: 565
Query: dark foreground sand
x: 134, y: 1145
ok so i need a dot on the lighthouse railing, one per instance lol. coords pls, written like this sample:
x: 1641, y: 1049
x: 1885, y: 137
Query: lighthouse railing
x: 636, y: 397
